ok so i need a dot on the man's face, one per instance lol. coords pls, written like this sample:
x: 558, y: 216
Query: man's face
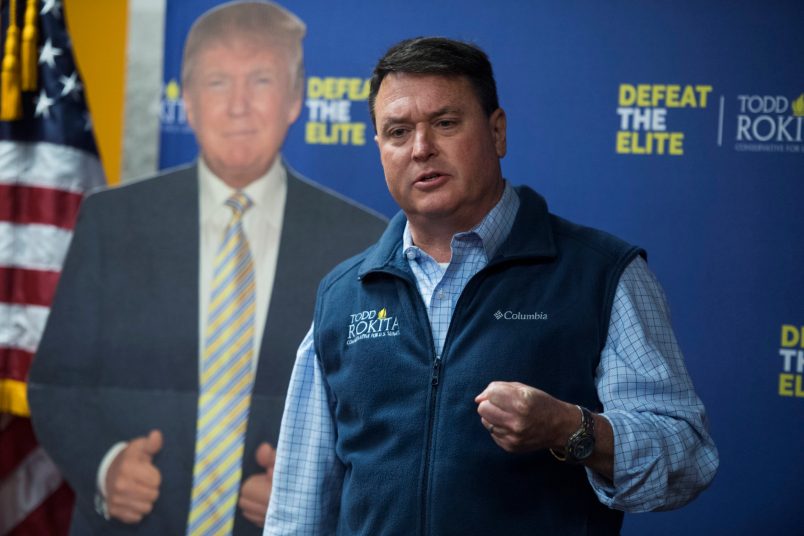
x: 240, y: 101
x: 439, y: 150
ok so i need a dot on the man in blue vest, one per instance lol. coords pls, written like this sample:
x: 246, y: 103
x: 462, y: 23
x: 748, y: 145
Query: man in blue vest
x: 487, y: 367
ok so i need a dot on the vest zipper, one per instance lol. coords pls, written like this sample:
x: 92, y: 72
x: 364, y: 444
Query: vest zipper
x: 436, y: 370
x: 435, y: 373
x: 434, y: 380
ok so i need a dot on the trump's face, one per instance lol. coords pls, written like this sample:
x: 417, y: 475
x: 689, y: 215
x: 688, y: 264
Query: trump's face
x: 440, y: 152
x: 240, y: 98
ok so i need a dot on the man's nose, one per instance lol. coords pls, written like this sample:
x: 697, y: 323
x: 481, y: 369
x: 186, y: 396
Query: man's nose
x: 239, y: 98
x: 424, y: 146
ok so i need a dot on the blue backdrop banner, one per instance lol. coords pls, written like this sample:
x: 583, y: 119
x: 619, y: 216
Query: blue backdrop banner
x: 678, y: 126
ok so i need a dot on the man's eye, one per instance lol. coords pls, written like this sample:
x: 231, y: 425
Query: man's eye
x: 447, y: 123
x: 396, y: 132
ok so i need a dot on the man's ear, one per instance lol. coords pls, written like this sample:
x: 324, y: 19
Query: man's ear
x: 188, y: 108
x: 295, y: 109
x: 498, y: 124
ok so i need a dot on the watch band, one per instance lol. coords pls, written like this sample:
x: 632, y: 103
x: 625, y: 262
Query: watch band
x: 581, y: 443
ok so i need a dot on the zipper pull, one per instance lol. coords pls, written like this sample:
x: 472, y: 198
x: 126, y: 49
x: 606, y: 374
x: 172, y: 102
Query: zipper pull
x: 436, y: 370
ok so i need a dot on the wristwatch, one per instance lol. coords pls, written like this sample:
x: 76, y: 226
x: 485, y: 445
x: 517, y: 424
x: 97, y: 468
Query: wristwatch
x: 581, y: 443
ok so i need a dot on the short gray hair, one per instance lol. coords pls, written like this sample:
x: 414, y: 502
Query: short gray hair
x: 258, y: 20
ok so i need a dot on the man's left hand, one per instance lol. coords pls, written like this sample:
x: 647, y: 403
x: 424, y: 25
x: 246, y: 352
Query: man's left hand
x: 524, y: 419
x: 256, y: 491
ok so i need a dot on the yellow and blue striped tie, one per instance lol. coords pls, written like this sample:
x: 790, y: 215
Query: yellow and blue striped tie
x: 226, y: 381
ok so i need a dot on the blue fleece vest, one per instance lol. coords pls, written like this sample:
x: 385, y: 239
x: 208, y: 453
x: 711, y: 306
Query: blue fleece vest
x: 418, y: 460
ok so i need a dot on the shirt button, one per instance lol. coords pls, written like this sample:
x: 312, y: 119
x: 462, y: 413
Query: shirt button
x: 441, y: 295
x: 410, y: 254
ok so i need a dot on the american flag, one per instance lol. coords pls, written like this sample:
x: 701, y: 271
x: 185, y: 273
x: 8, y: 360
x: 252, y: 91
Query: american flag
x: 48, y: 161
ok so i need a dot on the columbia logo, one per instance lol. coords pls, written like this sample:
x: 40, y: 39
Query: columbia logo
x: 511, y: 315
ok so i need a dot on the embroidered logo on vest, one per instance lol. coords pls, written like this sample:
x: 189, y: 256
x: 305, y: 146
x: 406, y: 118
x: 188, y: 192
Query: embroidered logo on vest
x: 511, y: 315
x: 372, y: 324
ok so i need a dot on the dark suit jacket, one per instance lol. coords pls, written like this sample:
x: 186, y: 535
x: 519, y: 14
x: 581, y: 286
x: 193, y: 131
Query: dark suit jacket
x: 119, y: 355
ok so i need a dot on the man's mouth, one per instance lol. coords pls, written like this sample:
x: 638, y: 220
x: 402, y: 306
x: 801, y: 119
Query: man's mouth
x: 239, y: 133
x: 429, y: 177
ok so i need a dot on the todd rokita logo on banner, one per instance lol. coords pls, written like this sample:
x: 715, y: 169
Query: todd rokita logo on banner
x: 643, y: 111
x: 769, y: 123
x: 372, y: 324
x: 791, y: 383
x: 172, y: 117
x: 329, y: 102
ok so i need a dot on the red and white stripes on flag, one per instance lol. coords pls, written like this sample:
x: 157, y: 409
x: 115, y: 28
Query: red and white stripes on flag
x: 34, y: 499
x: 41, y: 187
x: 48, y: 162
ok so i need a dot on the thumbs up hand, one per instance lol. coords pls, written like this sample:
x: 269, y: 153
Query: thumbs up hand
x: 256, y: 490
x: 132, y: 481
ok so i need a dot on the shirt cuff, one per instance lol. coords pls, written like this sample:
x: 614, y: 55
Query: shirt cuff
x: 103, y: 469
x: 602, y: 486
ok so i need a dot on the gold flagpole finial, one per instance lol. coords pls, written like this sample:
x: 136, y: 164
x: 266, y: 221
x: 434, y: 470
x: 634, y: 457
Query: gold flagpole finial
x: 30, y: 38
x: 11, y: 106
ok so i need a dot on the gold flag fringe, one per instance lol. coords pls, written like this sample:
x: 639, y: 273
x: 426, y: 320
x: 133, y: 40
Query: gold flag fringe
x: 11, y: 96
x: 30, y: 37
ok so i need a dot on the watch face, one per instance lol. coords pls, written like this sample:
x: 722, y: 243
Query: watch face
x: 582, y: 448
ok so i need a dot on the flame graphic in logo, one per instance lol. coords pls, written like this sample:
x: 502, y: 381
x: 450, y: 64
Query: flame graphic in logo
x: 798, y: 106
x: 382, y: 314
x: 172, y: 91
